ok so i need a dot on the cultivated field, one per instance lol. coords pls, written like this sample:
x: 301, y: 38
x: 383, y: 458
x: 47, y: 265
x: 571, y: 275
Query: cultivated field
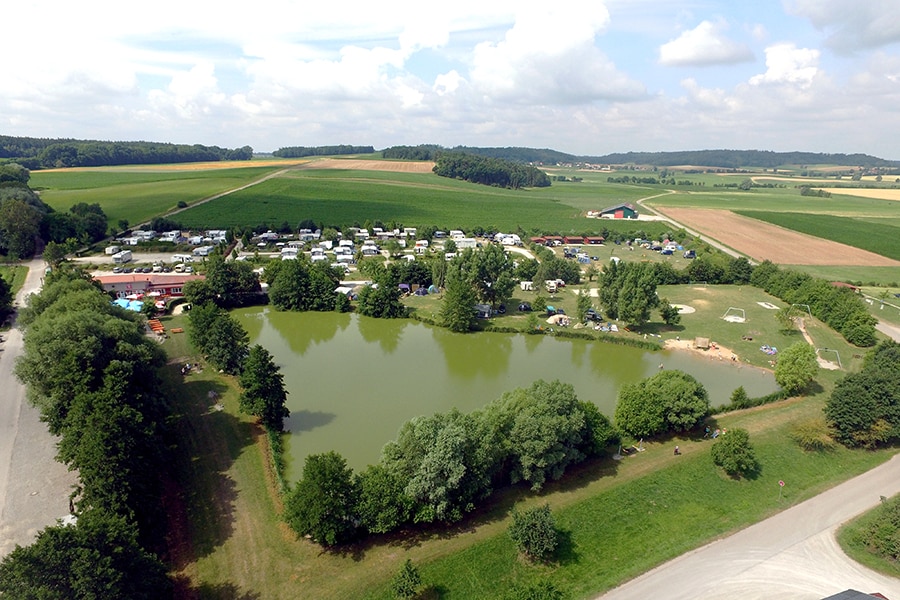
x: 762, y: 241
x: 879, y: 193
x: 356, y: 164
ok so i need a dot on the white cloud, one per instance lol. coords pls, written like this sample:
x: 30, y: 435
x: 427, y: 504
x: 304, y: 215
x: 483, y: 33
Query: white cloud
x: 852, y: 25
x: 706, y: 44
x: 548, y: 56
x: 785, y: 63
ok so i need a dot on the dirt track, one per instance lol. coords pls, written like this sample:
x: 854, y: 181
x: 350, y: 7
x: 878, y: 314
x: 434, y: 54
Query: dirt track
x: 764, y: 241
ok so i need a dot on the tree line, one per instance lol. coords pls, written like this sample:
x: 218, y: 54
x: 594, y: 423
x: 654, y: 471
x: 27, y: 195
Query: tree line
x: 736, y: 159
x: 301, y: 151
x: 46, y: 153
x: 489, y: 171
x: 92, y: 373
x: 444, y: 466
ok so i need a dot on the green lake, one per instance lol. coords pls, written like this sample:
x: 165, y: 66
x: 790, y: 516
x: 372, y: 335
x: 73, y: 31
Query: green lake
x: 353, y: 381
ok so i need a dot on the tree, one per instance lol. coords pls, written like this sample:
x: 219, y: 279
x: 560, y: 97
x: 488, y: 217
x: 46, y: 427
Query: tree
x: 407, y: 581
x: 670, y: 314
x: 226, y: 343
x: 734, y: 453
x: 599, y: 431
x: 491, y: 273
x: 667, y: 401
x: 534, y: 532
x: 583, y: 304
x: 383, y: 505
x: 796, y: 367
x: 263, y: 393
x: 458, y: 304
x: 323, y: 503
x: 99, y: 557
x: 19, y: 228
x: 542, y: 427
x: 6, y: 297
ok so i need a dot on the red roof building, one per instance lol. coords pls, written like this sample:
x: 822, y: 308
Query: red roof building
x: 164, y: 284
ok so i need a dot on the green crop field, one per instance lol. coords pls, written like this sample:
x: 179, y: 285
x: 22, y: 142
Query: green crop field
x: 137, y: 195
x: 340, y: 198
x: 880, y: 238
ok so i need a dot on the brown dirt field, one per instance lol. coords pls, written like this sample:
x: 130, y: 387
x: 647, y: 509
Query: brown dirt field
x: 373, y: 165
x: 763, y: 241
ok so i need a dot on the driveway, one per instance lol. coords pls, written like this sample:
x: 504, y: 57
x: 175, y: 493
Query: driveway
x: 791, y: 556
x: 34, y: 488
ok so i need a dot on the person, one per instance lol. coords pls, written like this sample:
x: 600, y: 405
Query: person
x: 677, y: 451
x: 706, y: 432
x: 716, y: 433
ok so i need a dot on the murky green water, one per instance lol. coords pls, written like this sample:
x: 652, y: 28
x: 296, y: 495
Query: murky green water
x: 353, y: 381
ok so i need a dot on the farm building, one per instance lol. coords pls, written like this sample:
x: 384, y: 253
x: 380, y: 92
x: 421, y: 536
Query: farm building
x: 619, y: 211
x: 573, y: 239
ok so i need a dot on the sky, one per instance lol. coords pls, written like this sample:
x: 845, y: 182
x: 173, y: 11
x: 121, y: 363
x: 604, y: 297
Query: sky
x: 587, y: 77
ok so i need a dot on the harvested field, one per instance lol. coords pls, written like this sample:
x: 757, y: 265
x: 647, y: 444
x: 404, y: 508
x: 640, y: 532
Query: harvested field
x: 877, y: 193
x: 763, y: 241
x: 190, y: 166
x: 373, y: 165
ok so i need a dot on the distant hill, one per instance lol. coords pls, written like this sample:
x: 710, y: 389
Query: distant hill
x: 48, y: 153
x: 737, y: 159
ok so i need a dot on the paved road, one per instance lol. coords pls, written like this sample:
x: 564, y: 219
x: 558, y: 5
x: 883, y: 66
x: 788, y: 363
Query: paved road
x: 34, y: 488
x: 791, y: 556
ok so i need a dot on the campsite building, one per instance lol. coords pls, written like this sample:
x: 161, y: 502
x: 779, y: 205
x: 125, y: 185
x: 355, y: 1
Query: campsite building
x: 619, y: 211
x: 160, y: 284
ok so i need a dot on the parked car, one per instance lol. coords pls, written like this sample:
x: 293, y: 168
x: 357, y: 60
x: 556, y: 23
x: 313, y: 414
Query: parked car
x: 666, y: 251
x: 117, y: 269
x: 591, y: 315
x: 690, y: 254
x: 525, y: 307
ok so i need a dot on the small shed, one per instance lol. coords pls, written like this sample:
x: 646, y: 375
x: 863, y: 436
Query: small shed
x: 482, y: 311
x: 702, y: 343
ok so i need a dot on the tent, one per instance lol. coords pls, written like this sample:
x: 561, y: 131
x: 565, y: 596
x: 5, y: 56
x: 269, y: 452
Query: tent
x: 421, y: 291
x: 432, y: 289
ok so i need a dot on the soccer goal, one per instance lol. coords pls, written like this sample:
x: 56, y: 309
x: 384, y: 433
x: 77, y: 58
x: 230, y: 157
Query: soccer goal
x: 735, y: 315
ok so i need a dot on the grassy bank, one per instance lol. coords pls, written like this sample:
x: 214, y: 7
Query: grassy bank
x: 620, y: 518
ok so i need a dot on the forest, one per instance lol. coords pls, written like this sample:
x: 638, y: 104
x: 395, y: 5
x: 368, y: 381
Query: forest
x: 48, y: 153
x: 736, y: 159
x: 301, y: 151
x: 489, y: 171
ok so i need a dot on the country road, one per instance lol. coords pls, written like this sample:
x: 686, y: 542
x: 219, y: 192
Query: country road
x: 34, y: 488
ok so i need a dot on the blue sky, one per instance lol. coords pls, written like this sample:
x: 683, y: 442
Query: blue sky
x: 582, y: 76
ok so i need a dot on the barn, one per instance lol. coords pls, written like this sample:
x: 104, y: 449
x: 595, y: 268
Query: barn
x: 619, y: 211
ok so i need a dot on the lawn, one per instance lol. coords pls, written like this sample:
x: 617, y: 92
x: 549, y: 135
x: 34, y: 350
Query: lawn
x: 15, y: 276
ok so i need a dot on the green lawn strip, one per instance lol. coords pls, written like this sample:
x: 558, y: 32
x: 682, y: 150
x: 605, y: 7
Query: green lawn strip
x: 854, y: 542
x: 15, y: 276
x: 874, y: 237
x: 853, y: 274
x: 617, y: 534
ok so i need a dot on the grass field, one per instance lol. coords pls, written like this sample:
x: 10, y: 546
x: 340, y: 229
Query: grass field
x: 14, y: 276
x: 137, y: 196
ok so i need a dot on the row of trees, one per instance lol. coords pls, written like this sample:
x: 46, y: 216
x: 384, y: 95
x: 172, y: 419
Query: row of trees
x: 839, y: 307
x: 864, y: 408
x: 441, y: 467
x: 43, y: 153
x: 92, y: 373
x: 489, y: 171
x: 736, y: 159
x: 301, y: 151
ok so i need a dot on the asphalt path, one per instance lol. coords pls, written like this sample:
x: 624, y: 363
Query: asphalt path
x: 792, y: 555
x: 34, y: 488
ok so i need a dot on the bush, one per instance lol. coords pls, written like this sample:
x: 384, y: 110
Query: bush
x: 534, y: 532
x: 813, y: 434
x: 667, y: 401
x: 734, y: 453
x: 407, y: 582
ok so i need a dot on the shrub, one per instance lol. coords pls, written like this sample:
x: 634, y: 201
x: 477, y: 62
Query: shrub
x: 812, y: 434
x: 407, y: 582
x: 534, y: 532
x: 734, y: 453
x: 667, y: 401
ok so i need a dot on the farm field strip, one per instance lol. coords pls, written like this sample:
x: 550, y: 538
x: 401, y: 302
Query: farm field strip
x: 880, y: 238
x: 762, y: 241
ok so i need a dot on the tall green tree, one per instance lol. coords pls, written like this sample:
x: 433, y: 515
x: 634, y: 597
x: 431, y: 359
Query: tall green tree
x: 99, y: 557
x: 322, y: 504
x: 734, y: 453
x: 667, y: 401
x: 19, y: 228
x: 533, y: 531
x: 637, y: 294
x: 263, y: 394
x: 407, y: 582
x: 796, y: 367
x: 491, y: 272
x: 458, y: 303
x: 583, y: 304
